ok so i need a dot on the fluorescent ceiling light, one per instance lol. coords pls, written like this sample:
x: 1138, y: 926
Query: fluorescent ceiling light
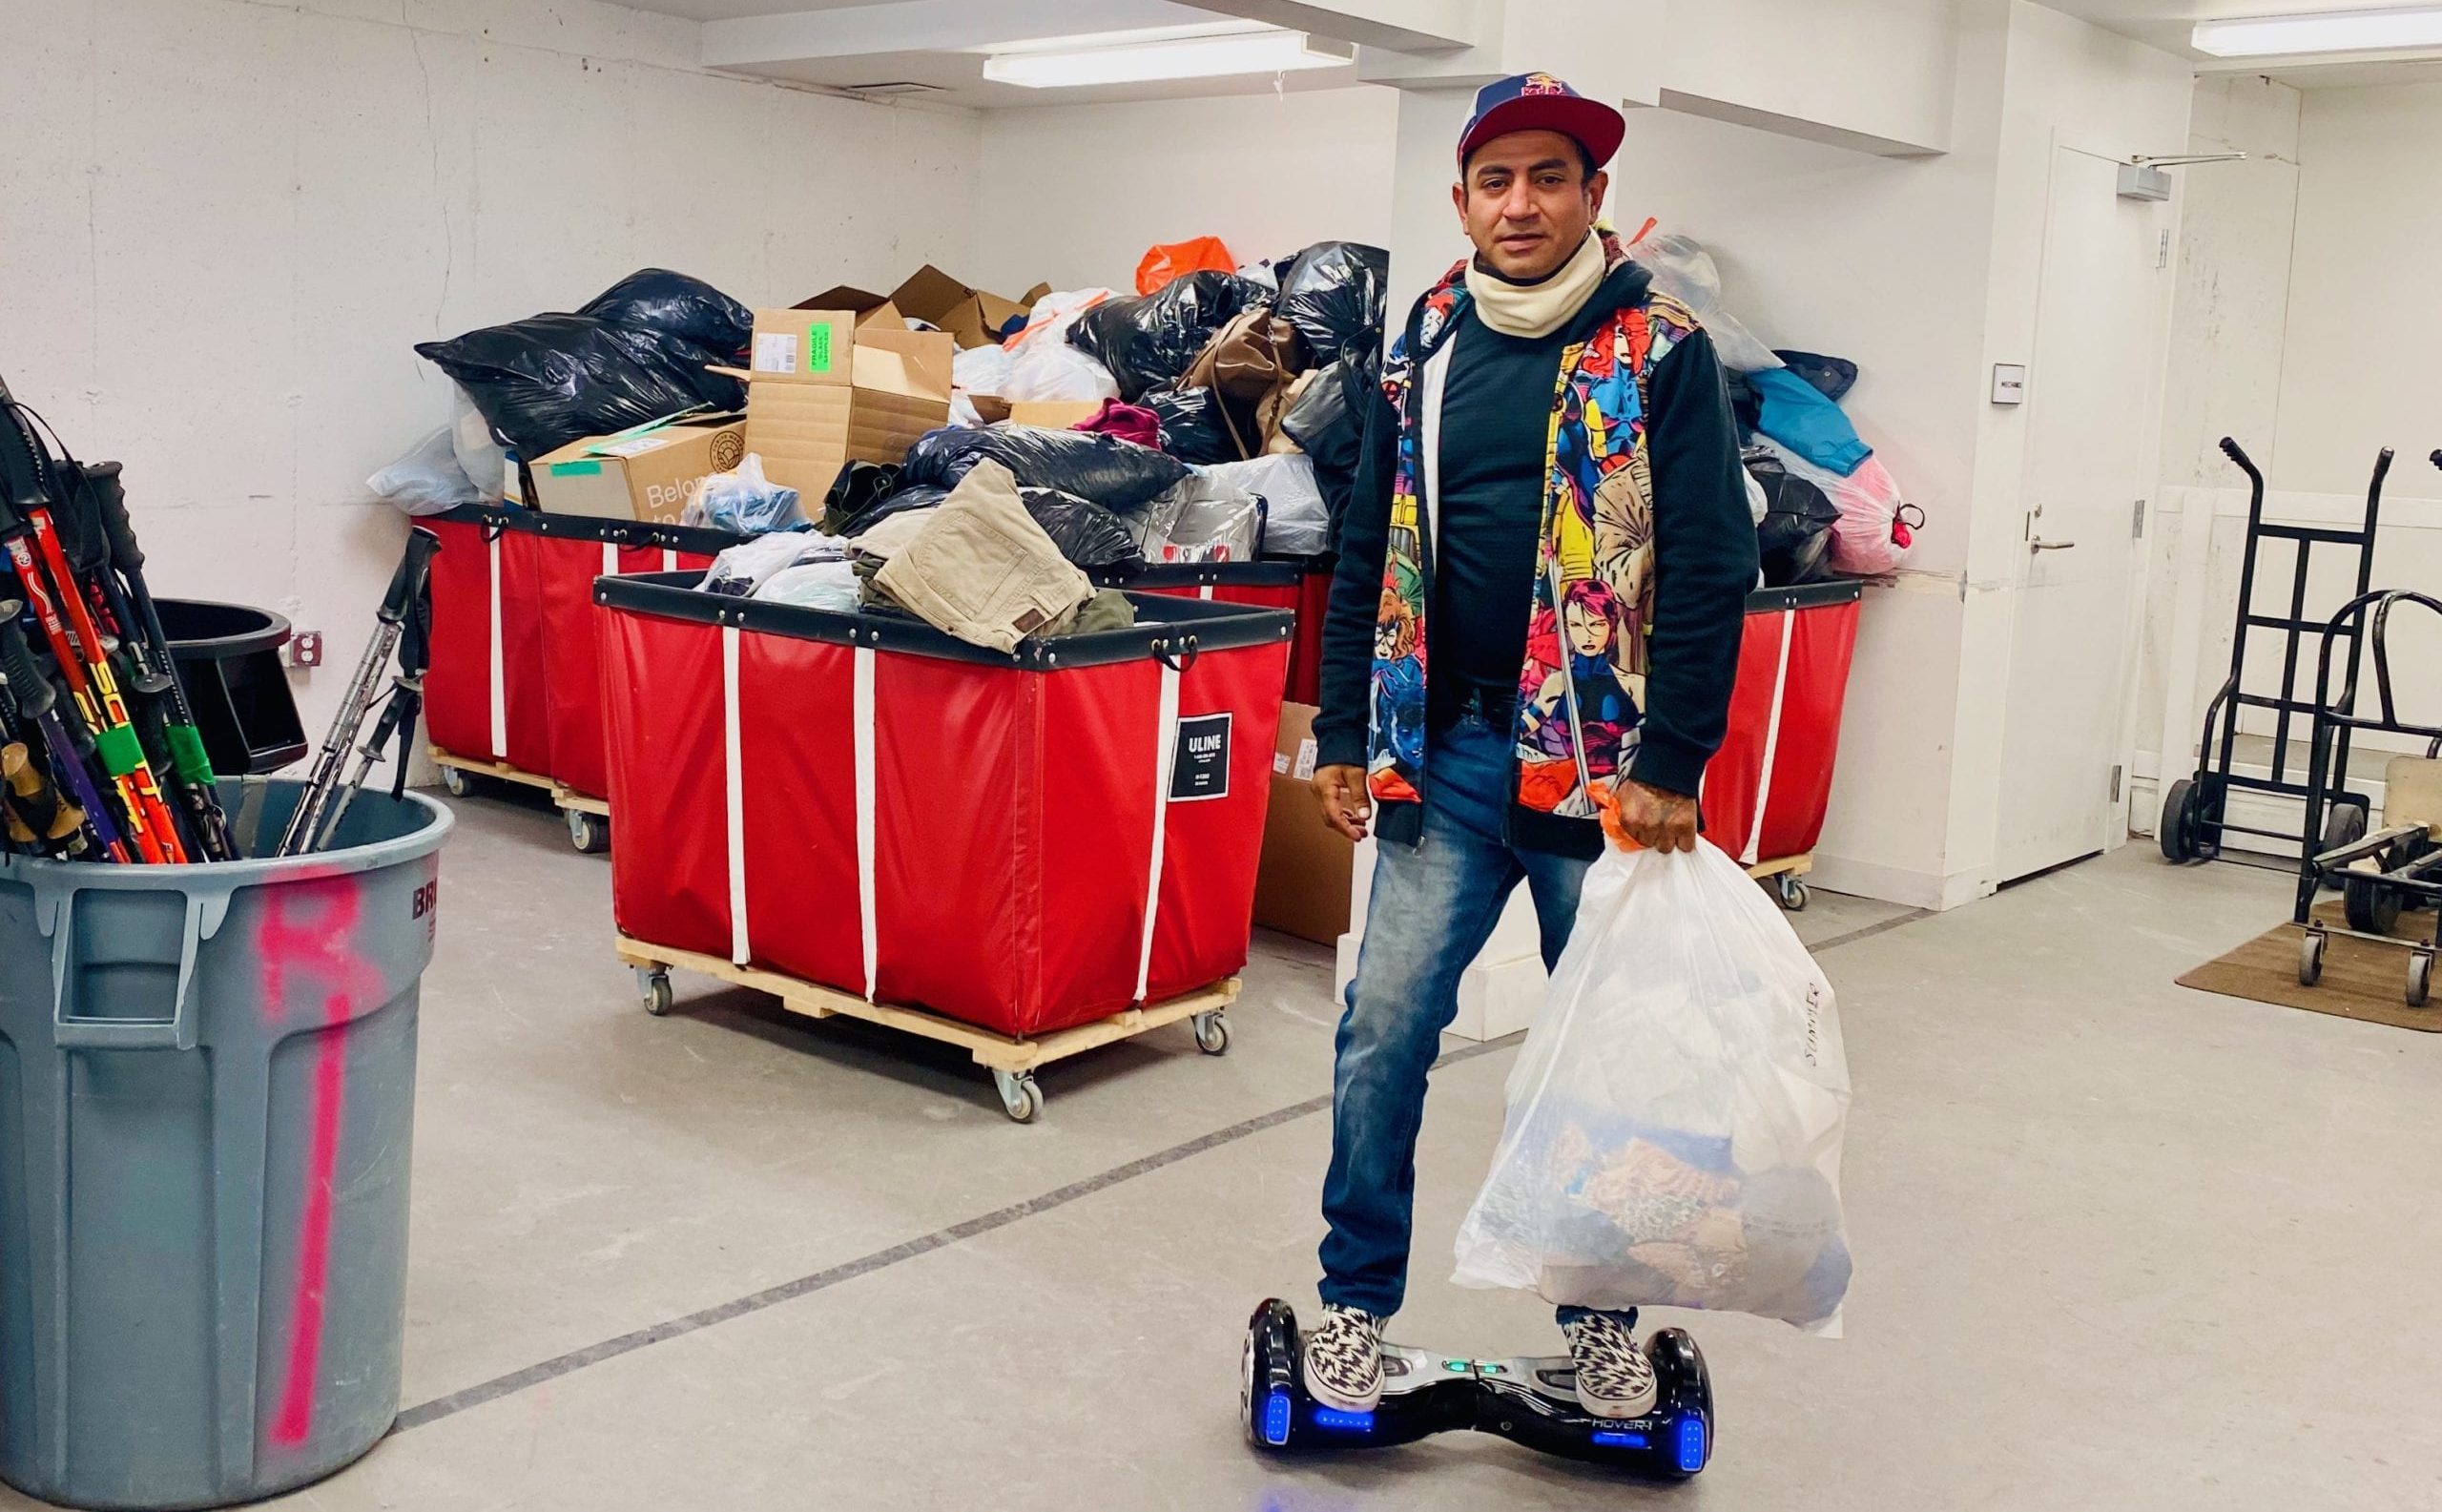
x: 2331, y: 32
x: 1182, y: 58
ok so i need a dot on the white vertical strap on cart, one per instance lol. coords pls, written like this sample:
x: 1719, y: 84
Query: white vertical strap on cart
x: 862, y: 713
x: 1165, y: 739
x: 735, y: 790
x: 498, y: 679
x: 669, y: 559
x: 1204, y: 592
x: 1771, y: 742
x: 609, y: 559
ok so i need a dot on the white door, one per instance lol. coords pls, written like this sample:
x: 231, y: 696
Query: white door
x: 2091, y: 397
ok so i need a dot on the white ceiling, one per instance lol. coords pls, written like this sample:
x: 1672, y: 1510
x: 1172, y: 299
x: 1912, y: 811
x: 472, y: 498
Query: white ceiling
x: 956, y: 76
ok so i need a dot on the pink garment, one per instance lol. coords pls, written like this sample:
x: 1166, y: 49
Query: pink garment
x: 1127, y: 421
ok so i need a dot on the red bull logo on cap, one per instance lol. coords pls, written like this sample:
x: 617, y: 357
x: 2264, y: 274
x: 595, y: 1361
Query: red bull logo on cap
x: 1541, y: 84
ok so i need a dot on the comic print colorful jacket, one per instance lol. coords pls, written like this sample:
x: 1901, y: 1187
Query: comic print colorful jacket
x: 1647, y: 550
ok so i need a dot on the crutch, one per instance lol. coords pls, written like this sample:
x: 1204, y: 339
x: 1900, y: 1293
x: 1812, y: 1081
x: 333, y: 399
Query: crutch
x: 325, y: 799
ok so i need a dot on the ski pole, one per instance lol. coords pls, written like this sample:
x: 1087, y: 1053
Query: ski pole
x: 308, y: 827
x: 35, y: 700
x: 140, y: 623
x: 38, y: 816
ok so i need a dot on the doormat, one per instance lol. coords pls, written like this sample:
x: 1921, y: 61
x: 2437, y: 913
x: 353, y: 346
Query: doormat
x: 2361, y: 980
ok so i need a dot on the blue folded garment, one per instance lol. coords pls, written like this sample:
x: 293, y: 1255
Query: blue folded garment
x: 1796, y: 415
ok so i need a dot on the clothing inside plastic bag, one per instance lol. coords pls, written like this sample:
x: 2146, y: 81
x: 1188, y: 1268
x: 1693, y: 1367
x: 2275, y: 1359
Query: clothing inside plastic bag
x: 552, y: 379
x: 1793, y: 412
x: 981, y: 369
x: 1205, y: 519
x: 743, y: 502
x: 813, y: 585
x: 1152, y: 342
x: 1794, y: 537
x: 742, y: 568
x: 1831, y: 376
x: 1194, y: 429
x: 1870, y: 538
x: 1675, y: 1117
x: 1115, y: 473
x: 1334, y: 293
x: 1295, y: 520
x: 858, y: 487
x: 1087, y: 534
x: 1684, y: 270
x: 427, y: 480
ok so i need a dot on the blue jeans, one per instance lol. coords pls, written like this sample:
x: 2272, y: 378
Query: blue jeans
x: 1433, y: 907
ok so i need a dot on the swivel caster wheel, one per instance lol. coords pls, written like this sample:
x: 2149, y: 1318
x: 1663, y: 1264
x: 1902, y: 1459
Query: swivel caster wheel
x: 1793, y: 891
x: 2310, y: 957
x: 2420, y: 978
x: 1212, y: 1033
x: 652, y: 986
x: 455, y: 782
x: 1020, y: 1096
x: 589, y: 833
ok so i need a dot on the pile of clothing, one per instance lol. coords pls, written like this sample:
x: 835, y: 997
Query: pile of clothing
x: 1826, y: 505
x: 1258, y: 378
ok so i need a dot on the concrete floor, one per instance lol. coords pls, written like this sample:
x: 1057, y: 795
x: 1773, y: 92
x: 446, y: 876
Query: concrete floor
x: 2119, y: 1245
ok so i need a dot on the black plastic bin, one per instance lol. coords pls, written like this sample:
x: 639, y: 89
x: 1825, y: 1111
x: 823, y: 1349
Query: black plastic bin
x: 228, y: 656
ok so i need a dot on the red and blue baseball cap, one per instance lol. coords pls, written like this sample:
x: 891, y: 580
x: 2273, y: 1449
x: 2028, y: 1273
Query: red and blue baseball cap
x: 1538, y: 102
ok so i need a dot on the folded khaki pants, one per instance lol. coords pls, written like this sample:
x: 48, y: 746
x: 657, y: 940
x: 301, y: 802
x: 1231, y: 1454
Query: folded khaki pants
x: 981, y: 568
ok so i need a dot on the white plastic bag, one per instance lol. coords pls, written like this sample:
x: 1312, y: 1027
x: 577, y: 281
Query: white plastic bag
x: 981, y: 369
x: 813, y: 585
x: 742, y: 568
x: 743, y: 502
x: 1868, y: 539
x: 1684, y: 270
x: 427, y: 480
x: 479, y: 456
x: 1052, y: 372
x: 1297, y: 522
x: 1673, y: 1135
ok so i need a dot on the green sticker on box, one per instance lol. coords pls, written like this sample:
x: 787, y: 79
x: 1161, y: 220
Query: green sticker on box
x: 575, y: 469
x: 818, y: 348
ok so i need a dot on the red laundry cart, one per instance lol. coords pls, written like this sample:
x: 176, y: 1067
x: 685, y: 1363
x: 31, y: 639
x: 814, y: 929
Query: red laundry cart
x: 1766, y: 787
x: 1026, y: 855
x: 1300, y: 585
x: 514, y: 692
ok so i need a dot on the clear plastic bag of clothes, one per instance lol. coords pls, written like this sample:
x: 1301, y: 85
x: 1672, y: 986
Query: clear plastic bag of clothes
x: 1296, y: 521
x: 1205, y: 519
x: 1115, y: 473
x: 744, y: 502
x: 1675, y: 1117
x: 742, y: 568
x: 1684, y: 270
x: 427, y: 480
x: 813, y: 585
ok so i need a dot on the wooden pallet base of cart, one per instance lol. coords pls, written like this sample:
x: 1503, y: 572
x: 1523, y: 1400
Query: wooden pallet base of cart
x: 1011, y: 1061
x: 486, y: 767
x: 569, y: 798
x: 1784, y: 873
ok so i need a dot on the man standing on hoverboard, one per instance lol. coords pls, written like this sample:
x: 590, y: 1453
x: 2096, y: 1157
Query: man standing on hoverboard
x: 1550, y: 513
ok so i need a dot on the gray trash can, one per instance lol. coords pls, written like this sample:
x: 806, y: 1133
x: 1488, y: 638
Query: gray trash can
x: 207, y: 1087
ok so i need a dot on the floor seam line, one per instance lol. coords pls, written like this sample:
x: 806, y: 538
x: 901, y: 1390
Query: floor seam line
x: 484, y: 1392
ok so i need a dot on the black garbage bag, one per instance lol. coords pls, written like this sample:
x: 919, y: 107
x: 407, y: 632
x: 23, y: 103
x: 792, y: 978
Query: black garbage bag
x: 551, y: 379
x: 1334, y: 293
x: 1194, y: 429
x: 898, y: 501
x: 1152, y: 342
x: 858, y: 487
x: 1087, y: 534
x: 1794, y: 539
x: 1328, y: 424
x: 1103, y: 469
x: 675, y: 304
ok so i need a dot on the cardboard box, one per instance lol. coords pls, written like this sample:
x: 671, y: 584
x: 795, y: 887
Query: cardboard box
x: 1302, y: 882
x: 1052, y: 414
x: 822, y: 390
x: 864, y: 305
x: 648, y: 473
x: 967, y: 313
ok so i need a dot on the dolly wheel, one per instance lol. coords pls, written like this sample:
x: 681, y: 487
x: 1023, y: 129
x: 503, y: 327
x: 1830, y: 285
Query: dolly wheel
x: 2310, y: 957
x: 2420, y: 978
x: 2345, y: 826
x: 1212, y: 1033
x: 1020, y: 1096
x: 652, y: 986
x: 589, y: 833
x: 2176, y: 830
x: 1792, y: 890
x: 2374, y: 907
x: 455, y: 782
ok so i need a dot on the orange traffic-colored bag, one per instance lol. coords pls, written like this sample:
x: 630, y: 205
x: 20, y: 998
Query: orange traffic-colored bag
x: 1177, y: 258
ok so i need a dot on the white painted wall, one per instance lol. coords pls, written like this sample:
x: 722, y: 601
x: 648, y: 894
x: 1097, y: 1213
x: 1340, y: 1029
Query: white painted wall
x: 230, y: 221
x: 2304, y: 318
x: 1876, y: 74
x: 1073, y: 195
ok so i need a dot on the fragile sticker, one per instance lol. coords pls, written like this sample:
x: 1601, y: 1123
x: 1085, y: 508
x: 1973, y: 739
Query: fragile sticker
x: 818, y: 348
x: 776, y: 351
